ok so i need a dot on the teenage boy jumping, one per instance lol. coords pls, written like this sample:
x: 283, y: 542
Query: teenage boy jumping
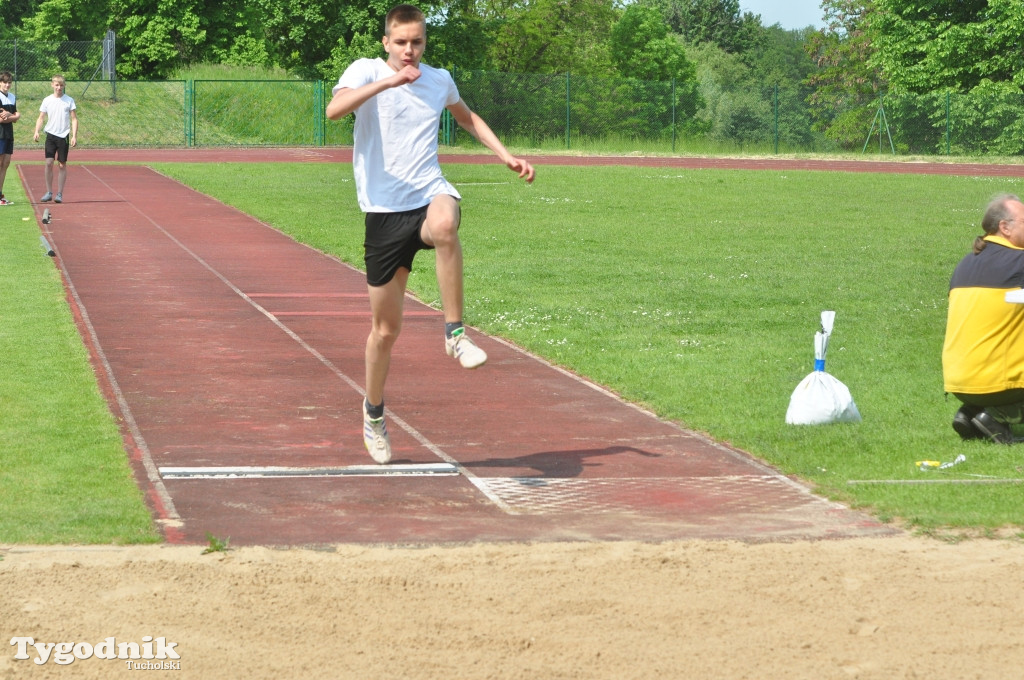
x: 409, y: 205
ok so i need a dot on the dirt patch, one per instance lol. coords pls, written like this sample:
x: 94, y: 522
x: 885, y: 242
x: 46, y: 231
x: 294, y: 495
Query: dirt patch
x: 897, y: 607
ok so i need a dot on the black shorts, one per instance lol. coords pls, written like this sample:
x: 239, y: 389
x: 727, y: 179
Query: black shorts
x: 57, y: 147
x: 392, y: 241
x: 6, y: 147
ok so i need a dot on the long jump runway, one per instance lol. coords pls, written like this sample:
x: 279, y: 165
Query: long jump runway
x: 233, y: 359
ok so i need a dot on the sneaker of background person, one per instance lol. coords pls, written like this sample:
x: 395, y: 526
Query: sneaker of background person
x: 59, y: 198
x: 375, y: 437
x: 47, y: 197
x: 465, y: 350
x: 4, y: 201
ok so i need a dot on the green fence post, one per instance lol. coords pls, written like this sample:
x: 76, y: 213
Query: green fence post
x: 319, y: 114
x: 567, y: 120
x: 776, y: 107
x: 673, y: 115
x: 947, y: 122
x: 190, y: 124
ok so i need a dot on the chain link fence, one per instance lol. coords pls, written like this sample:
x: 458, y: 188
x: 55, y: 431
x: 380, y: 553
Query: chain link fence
x: 629, y: 115
x: 549, y: 113
x: 75, y: 60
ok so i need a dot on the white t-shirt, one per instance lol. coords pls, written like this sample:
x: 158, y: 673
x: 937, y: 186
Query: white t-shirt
x: 395, y: 153
x: 58, y: 114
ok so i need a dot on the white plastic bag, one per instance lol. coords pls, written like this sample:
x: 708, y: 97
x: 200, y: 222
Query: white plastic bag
x: 820, y: 398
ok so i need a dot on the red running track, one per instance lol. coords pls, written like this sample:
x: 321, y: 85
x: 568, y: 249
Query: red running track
x: 222, y: 343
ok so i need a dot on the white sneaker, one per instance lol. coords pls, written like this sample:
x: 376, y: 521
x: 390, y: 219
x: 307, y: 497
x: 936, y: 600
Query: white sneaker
x: 375, y: 437
x: 464, y: 349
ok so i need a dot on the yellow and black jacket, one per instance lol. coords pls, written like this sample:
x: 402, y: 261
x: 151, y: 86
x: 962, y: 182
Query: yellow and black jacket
x: 984, y: 348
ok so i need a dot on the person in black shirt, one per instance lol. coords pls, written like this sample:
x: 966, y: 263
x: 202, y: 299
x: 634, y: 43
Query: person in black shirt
x: 8, y: 115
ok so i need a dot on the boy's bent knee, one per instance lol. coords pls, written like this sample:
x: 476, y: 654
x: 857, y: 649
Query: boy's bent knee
x: 444, y: 232
x: 441, y: 226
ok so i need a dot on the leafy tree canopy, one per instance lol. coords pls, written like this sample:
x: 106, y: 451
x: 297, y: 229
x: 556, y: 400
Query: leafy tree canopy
x: 715, y: 21
x: 845, y: 85
x: 67, y: 20
x: 954, y: 44
x: 12, y: 13
x: 554, y: 36
x: 642, y: 47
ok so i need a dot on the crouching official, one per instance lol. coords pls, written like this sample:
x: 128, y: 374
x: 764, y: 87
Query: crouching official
x: 983, y: 353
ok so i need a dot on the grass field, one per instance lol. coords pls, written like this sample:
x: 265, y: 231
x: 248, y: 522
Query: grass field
x: 64, y: 477
x: 696, y: 294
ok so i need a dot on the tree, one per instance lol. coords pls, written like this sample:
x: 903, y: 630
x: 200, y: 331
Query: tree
x: 719, y: 22
x: 155, y: 36
x: 318, y: 38
x: 158, y: 36
x: 12, y: 13
x: 846, y: 84
x: 67, y: 20
x: 554, y: 36
x: 949, y: 44
x: 458, y: 36
x: 642, y: 47
x: 643, y: 50
x: 781, y: 60
x: 781, y: 55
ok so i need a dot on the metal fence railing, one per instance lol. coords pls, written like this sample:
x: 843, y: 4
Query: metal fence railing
x: 550, y: 112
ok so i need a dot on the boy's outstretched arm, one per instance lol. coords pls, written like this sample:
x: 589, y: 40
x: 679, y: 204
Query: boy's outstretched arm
x: 476, y: 126
x: 347, y: 100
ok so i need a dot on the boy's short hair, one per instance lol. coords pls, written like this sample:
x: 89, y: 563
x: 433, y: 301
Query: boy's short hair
x: 6, y: 77
x: 58, y: 78
x: 403, y: 14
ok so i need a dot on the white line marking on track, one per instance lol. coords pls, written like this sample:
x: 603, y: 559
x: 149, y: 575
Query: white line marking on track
x: 152, y: 474
x: 426, y: 443
x: 282, y: 472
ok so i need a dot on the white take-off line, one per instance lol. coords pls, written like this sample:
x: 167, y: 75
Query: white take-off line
x: 285, y: 472
x: 327, y: 363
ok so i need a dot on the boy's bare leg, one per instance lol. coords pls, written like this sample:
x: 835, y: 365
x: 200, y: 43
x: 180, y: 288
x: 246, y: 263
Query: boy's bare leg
x: 48, y: 175
x: 62, y: 175
x: 386, y: 303
x: 441, y: 230
x: 5, y: 162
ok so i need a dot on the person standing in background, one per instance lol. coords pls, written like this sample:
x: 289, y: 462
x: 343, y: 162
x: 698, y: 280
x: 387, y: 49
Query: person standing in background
x: 58, y: 112
x: 8, y: 116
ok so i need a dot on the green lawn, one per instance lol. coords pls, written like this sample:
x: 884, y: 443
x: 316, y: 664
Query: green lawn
x: 64, y: 475
x: 694, y: 293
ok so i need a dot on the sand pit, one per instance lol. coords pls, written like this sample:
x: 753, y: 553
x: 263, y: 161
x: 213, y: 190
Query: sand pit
x: 897, y: 607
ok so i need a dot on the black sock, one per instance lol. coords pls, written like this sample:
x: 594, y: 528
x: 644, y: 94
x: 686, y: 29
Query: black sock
x: 450, y: 327
x: 375, y: 411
